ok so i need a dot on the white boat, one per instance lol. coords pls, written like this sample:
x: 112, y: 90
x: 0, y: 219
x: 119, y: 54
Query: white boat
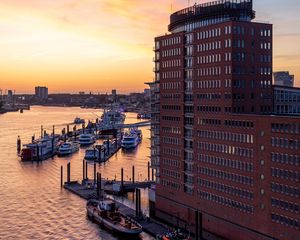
x: 130, y: 140
x: 111, y: 117
x: 68, y: 148
x: 86, y: 139
x: 106, y: 213
x: 78, y: 120
x: 94, y: 154
x: 40, y: 149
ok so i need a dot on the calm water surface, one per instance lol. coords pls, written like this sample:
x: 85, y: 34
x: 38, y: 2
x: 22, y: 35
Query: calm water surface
x: 33, y: 206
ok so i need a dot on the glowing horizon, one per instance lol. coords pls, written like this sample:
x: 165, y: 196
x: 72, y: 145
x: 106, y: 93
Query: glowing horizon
x: 93, y: 45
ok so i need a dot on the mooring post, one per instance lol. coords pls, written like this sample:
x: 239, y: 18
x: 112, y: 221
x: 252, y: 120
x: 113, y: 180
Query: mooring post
x: 69, y: 172
x: 148, y: 171
x: 83, y: 170
x: 133, y: 174
x: 42, y: 131
x: 19, y: 144
x: 68, y: 129
x: 61, y: 176
x: 136, y: 203
x: 139, y: 202
x: 122, y: 180
x: 196, y: 225
x: 94, y: 152
x: 86, y: 170
x: 152, y: 169
x: 94, y: 173
x: 98, y: 186
x: 53, y: 130
x: 53, y: 139
x: 108, y: 150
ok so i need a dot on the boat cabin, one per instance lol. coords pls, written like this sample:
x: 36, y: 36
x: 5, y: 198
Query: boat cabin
x: 107, y: 205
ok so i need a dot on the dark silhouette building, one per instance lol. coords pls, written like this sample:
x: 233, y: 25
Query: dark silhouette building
x: 216, y: 146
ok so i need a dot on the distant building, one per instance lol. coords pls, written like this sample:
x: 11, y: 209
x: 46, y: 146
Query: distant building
x: 114, y: 92
x: 283, y: 79
x: 10, y: 96
x: 286, y: 100
x: 41, y: 92
x: 81, y: 93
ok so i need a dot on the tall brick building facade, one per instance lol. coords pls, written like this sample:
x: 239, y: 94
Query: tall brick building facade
x: 216, y: 145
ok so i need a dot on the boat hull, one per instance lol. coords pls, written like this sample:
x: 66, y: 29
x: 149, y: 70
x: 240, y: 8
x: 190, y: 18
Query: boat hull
x: 110, y: 225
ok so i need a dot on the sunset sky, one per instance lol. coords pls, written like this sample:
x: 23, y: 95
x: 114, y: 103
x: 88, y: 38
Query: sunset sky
x: 97, y: 45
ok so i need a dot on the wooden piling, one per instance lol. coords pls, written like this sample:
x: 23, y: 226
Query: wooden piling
x: 68, y: 129
x: 61, y: 176
x: 152, y: 169
x: 200, y: 226
x: 148, y: 171
x: 94, y: 173
x: 122, y: 179
x: 53, y: 130
x: 86, y: 170
x: 42, y: 131
x: 83, y: 169
x: 18, y: 144
x: 69, y: 172
x: 133, y: 174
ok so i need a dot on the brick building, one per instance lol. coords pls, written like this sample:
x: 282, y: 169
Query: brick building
x: 216, y: 146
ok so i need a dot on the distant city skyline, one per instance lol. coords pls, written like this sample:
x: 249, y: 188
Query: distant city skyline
x: 91, y: 45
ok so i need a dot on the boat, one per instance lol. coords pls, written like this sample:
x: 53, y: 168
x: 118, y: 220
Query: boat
x: 78, y: 120
x: 106, y: 213
x: 40, y: 149
x: 86, y: 139
x: 131, y: 139
x: 111, y: 117
x: 68, y: 148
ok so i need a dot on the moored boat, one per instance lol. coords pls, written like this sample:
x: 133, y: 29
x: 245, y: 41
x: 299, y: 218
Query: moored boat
x: 105, y: 212
x: 79, y: 120
x: 86, y: 139
x: 68, y: 148
x: 131, y: 139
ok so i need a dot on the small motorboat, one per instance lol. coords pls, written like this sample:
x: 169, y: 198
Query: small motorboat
x: 86, y: 139
x: 106, y: 213
x: 68, y: 148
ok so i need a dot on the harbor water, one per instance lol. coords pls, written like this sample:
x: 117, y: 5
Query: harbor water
x: 32, y: 203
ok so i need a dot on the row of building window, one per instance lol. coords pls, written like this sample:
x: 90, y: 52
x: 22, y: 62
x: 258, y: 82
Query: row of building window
x: 285, y: 174
x: 171, y: 63
x: 224, y: 162
x: 213, y: 58
x: 170, y: 184
x: 171, y: 85
x: 171, y: 140
x: 285, y: 158
x: 171, y: 52
x: 174, y: 130
x: 266, y: 71
x: 209, y: 122
x: 171, y: 151
x: 208, y: 84
x: 265, y: 45
x: 208, y: 46
x: 226, y: 175
x: 170, y: 96
x: 239, y: 192
x: 286, y: 190
x: 211, y: 109
x: 171, y: 162
x: 226, y: 202
x: 285, y: 143
x: 238, y: 124
x: 170, y: 173
x: 285, y: 220
x: 210, y: 71
x: 171, y: 118
x: 171, y: 107
x: 171, y: 74
x: 216, y: 32
x: 171, y: 41
x: 283, y: 204
x: 223, y: 148
x: 209, y: 96
x: 226, y: 136
x: 285, y: 127
x: 266, y: 58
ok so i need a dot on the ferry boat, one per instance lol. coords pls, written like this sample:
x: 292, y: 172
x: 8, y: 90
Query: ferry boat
x: 40, y: 149
x: 131, y: 139
x: 106, y: 213
x: 86, y: 139
x: 78, y: 120
x: 68, y: 148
